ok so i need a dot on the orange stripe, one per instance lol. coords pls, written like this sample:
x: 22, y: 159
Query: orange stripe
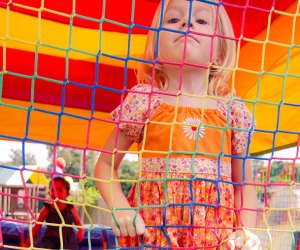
x: 45, y: 127
x: 263, y: 79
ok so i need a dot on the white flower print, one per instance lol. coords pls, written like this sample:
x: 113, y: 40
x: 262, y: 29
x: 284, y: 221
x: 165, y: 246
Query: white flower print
x: 193, y: 127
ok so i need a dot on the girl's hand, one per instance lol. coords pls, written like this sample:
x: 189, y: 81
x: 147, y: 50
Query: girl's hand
x: 244, y: 240
x: 126, y: 225
x: 80, y: 234
x: 25, y: 245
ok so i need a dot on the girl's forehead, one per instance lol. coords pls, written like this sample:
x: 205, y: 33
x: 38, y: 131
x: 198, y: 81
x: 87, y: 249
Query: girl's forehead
x: 209, y: 5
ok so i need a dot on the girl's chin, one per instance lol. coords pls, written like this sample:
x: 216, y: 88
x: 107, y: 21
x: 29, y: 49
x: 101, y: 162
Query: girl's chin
x: 188, y: 62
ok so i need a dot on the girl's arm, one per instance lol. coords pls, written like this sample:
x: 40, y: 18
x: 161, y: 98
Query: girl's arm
x: 107, y: 169
x: 245, y: 202
x: 37, y: 227
x: 245, y: 196
x: 77, y: 221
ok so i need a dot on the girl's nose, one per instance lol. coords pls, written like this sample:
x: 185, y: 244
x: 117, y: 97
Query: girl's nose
x: 185, y: 24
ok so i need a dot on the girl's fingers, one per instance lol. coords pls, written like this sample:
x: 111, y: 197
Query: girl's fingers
x: 249, y: 245
x: 230, y: 244
x: 131, y: 230
x: 115, y: 229
x: 123, y: 223
x: 139, y: 226
x: 244, y: 240
x: 252, y: 241
x: 146, y: 234
x: 230, y: 241
x: 127, y: 228
x: 240, y: 239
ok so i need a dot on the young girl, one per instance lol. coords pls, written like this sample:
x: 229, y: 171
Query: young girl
x: 192, y: 136
x: 56, y: 236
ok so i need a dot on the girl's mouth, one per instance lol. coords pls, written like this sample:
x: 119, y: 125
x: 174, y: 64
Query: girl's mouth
x: 186, y: 37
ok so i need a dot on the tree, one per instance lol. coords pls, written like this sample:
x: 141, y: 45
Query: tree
x: 75, y: 159
x: 91, y: 158
x: 72, y: 156
x: 16, y: 157
x: 128, y: 170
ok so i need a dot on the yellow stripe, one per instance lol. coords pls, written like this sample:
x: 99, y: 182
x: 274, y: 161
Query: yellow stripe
x: 25, y: 32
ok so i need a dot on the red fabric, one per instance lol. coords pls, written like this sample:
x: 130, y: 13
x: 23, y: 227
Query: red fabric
x: 77, y: 93
x: 248, y: 20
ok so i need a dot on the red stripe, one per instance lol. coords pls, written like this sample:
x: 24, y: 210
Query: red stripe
x: 20, y: 88
x: 249, y: 21
x: 256, y: 15
x: 93, y: 9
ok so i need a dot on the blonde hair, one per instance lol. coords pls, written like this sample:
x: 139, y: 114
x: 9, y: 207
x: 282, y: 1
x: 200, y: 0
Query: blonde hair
x: 219, y: 70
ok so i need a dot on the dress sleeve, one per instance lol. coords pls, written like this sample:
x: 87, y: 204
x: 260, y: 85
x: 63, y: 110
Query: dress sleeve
x: 243, y: 125
x: 132, y: 114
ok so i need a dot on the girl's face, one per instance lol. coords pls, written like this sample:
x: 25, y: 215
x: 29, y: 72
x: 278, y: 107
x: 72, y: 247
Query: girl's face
x: 60, y: 187
x: 192, y: 45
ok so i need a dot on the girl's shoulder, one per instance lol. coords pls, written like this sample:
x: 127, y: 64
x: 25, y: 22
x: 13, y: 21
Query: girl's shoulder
x: 48, y: 205
x: 144, y: 87
x: 144, y: 90
x: 44, y: 211
x: 240, y: 121
x: 141, y: 102
x: 140, y: 99
x: 47, y: 209
x: 232, y: 106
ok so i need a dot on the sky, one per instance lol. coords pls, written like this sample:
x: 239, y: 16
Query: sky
x: 286, y: 154
x: 39, y: 150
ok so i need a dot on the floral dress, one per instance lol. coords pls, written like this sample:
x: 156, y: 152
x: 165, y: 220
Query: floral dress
x: 184, y: 191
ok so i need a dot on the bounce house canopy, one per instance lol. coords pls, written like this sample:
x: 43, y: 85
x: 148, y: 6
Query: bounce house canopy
x: 66, y: 64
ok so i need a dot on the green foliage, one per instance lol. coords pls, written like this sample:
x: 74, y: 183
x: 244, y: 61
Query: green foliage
x: 90, y: 160
x: 89, y: 195
x: 276, y: 170
x: 16, y: 158
x: 91, y: 192
x: 75, y: 159
x: 89, y: 183
x: 128, y: 170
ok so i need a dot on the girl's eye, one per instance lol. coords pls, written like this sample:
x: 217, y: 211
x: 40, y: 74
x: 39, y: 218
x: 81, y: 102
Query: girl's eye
x: 201, y: 21
x: 173, y: 20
